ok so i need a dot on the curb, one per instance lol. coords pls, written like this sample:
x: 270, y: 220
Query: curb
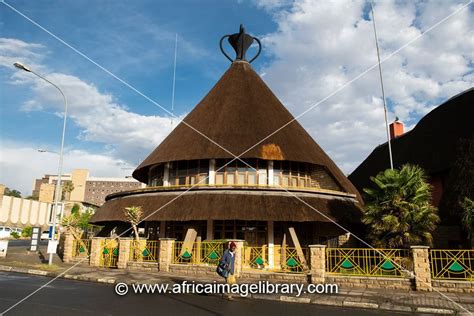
x: 282, y: 298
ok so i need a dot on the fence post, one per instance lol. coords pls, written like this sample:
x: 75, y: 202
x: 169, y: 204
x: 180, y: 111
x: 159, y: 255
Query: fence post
x: 239, y: 255
x: 96, y: 251
x: 68, y: 247
x: 318, y: 263
x: 166, y: 253
x: 421, y: 267
x: 124, y: 254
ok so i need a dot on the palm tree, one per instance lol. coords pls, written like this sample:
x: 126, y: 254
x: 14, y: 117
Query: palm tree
x: 468, y: 216
x: 398, y: 209
x: 134, y: 214
x: 67, y: 188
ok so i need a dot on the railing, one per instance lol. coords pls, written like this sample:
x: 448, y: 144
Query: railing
x: 452, y: 264
x: 289, y: 260
x: 293, y: 261
x: 255, y: 257
x: 144, y: 250
x: 368, y: 262
x: 109, y: 253
x: 206, y: 252
x: 81, y: 247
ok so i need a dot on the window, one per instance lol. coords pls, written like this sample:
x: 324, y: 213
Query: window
x: 189, y: 172
x: 252, y: 172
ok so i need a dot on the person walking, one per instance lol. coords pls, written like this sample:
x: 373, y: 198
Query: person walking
x: 228, y: 263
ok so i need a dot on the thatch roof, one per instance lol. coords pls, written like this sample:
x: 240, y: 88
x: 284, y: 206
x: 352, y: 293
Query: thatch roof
x: 431, y: 144
x: 221, y: 204
x: 237, y: 113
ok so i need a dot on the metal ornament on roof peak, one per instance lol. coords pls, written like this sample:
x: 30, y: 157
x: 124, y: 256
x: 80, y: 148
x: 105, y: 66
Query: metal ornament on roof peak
x: 240, y: 42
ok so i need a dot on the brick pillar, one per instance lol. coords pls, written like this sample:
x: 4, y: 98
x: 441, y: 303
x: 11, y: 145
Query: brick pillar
x: 96, y: 251
x: 166, y: 253
x: 124, y: 253
x: 421, y: 267
x: 68, y: 246
x: 318, y: 263
x: 239, y: 257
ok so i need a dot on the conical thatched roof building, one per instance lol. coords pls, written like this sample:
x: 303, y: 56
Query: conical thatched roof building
x: 282, y: 177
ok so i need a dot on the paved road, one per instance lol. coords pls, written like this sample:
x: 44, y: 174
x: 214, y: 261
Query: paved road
x: 68, y: 297
x: 23, y: 243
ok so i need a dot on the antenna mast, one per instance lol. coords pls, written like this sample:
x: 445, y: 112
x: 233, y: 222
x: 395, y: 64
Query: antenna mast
x: 174, y: 79
x: 381, y: 84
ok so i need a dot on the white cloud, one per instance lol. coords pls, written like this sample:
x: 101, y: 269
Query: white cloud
x: 99, y: 116
x: 21, y: 163
x: 321, y: 45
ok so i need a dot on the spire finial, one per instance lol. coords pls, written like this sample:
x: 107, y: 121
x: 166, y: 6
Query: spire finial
x: 241, y: 42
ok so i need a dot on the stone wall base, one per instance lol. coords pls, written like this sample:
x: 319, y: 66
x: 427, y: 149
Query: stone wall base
x: 453, y: 286
x: 347, y: 282
x: 143, y: 266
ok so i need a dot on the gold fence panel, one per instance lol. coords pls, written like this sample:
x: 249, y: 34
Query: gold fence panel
x: 291, y: 262
x: 205, y: 252
x: 452, y: 264
x: 144, y: 250
x: 255, y: 257
x: 109, y: 253
x: 81, y: 247
x: 369, y: 262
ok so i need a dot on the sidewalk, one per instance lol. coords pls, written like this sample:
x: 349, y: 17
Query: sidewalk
x: 394, y: 300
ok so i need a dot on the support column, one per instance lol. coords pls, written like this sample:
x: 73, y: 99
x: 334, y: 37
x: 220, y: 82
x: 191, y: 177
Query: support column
x: 162, y: 229
x: 124, y: 254
x: 271, y: 246
x: 68, y: 246
x: 96, y: 251
x: 210, y: 229
x: 166, y: 174
x: 212, y: 171
x: 421, y: 267
x: 166, y: 253
x: 270, y: 172
x: 239, y: 257
x: 318, y: 263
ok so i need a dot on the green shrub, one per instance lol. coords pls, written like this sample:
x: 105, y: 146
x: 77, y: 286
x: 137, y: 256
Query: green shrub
x: 27, y: 231
x: 15, y: 235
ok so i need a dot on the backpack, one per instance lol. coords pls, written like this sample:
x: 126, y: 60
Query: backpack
x: 222, y: 269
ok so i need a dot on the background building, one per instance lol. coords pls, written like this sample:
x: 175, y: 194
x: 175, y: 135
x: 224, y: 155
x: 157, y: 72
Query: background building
x: 442, y: 143
x: 86, y: 189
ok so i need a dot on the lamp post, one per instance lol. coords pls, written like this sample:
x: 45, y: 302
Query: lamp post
x: 57, y: 193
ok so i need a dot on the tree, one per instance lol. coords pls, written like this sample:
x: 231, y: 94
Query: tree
x: 27, y: 231
x: 67, y: 187
x: 398, y: 209
x: 134, y: 214
x: 78, y: 223
x: 468, y: 216
x: 14, y: 193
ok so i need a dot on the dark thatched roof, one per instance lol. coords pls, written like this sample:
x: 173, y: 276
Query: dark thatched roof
x: 431, y: 144
x: 237, y: 113
x: 222, y: 204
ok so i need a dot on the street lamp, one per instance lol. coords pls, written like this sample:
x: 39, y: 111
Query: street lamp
x: 57, y: 193
x: 47, y: 151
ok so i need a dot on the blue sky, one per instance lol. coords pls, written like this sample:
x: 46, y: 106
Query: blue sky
x: 310, y: 49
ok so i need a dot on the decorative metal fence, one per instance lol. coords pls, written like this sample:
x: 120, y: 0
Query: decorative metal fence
x: 110, y: 253
x: 255, y: 257
x: 289, y: 260
x: 81, y: 247
x: 144, y: 250
x: 293, y: 261
x: 206, y: 252
x: 452, y: 264
x: 369, y: 262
